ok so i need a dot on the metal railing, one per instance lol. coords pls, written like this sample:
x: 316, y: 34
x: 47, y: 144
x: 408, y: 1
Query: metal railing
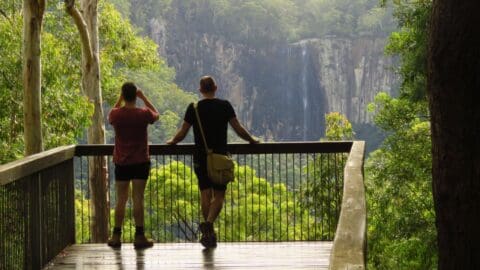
x: 282, y: 192
x: 36, y: 209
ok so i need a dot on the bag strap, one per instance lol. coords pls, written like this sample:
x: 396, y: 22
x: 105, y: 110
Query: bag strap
x: 195, y: 105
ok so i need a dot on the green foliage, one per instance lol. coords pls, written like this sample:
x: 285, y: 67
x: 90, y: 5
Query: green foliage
x: 401, y: 218
x: 261, y: 23
x: 64, y: 109
x: 124, y: 55
x: 11, y: 121
x: 82, y: 211
x: 252, y: 211
x: 326, y: 192
x: 343, y: 18
x: 337, y: 127
x: 410, y: 43
x: 401, y: 228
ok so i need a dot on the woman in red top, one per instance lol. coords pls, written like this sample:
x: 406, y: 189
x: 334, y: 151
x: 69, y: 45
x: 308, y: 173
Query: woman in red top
x: 131, y: 158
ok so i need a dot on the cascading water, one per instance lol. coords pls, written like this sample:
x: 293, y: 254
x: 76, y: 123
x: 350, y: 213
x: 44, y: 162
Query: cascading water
x: 304, y: 89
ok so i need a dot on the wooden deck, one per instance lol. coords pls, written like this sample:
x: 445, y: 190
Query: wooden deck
x: 283, y: 255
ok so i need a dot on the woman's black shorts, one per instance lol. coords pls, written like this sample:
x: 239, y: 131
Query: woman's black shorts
x: 132, y: 171
x: 200, y: 168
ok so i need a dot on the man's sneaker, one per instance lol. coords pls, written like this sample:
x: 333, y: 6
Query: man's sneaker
x: 212, y: 241
x: 203, y: 230
x: 115, y: 241
x: 208, y: 239
x: 142, y: 242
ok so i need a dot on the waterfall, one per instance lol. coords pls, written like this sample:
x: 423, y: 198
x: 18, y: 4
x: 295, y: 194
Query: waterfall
x: 304, y: 87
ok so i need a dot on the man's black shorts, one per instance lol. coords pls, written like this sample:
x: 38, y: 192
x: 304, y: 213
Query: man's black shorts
x: 132, y: 171
x: 200, y: 168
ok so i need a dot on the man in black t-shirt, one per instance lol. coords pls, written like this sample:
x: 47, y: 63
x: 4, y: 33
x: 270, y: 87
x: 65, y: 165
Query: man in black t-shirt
x: 215, y: 115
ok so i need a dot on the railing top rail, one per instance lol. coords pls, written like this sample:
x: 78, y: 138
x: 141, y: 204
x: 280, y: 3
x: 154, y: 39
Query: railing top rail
x: 18, y: 169
x: 262, y: 148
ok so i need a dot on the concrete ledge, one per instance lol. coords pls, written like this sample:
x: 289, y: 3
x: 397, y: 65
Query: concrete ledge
x: 349, y: 245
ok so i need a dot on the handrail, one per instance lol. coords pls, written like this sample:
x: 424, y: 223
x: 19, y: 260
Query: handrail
x: 37, y: 208
x: 29, y: 165
x: 349, y: 245
x: 238, y: 148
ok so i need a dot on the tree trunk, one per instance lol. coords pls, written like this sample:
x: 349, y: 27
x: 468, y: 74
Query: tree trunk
x: 96, y: 132
x: 453, y: 93
x: 33, y: 11
x: 97, y: 166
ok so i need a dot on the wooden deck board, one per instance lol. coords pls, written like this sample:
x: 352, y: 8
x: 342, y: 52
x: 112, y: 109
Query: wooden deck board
x: 231, y: 256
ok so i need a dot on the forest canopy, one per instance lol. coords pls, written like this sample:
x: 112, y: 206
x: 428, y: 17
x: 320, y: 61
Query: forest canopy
x: 265, y: 21
x: 66, y: 112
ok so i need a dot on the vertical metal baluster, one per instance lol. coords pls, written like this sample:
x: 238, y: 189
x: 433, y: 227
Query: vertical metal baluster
x: 171, y: 199
x: 301, y: 195
x: 238, y: 198
x: 315, y: 202
x: 252, y: 224
x: 246, y: 195
x: 190, y: 179
x: 259, y: 198
x: 187, y: 236
x: 150, y: 226
x: 81, y: 198
x: 231, y: 214
x: 286, y: 195
x: 130, y: 204
x: 164, y: 197
x: 280, y: 193
x: 294, y: 199
x: 337, y: 192
x: 88, y: 201
x: 273, y: 196
x: 323, y: 202
x: 182, y: 195
x: 157, y: 208
x: 329, y: 189
x: 308, y: 191
x: 109, y: 190
x: 266, y: 194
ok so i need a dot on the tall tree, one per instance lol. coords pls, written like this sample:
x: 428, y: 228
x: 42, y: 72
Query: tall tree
x: 453, y: 94
x: 33, y: 11
x: 87, y: 24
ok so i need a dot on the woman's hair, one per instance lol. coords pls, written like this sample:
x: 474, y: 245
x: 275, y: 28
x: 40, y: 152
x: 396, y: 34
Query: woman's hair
x: 207, y: 84
x: 129, y: 91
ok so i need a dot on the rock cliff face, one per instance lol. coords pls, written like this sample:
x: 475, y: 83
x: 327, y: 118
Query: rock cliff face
x: 282, y: 91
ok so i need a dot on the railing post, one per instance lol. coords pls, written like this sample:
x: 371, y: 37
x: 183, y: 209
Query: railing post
x: 35, y: 222
x: 70, y: 178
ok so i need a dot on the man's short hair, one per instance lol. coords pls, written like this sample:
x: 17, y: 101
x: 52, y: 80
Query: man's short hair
x: 207, y: 84
x: 129, y: 91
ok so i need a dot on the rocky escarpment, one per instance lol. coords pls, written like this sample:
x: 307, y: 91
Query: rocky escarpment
x: 283, y: 91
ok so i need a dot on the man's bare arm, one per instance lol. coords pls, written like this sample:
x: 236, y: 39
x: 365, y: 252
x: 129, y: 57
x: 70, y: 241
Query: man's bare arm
x: 181, y: 133
x: 241, y: 131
